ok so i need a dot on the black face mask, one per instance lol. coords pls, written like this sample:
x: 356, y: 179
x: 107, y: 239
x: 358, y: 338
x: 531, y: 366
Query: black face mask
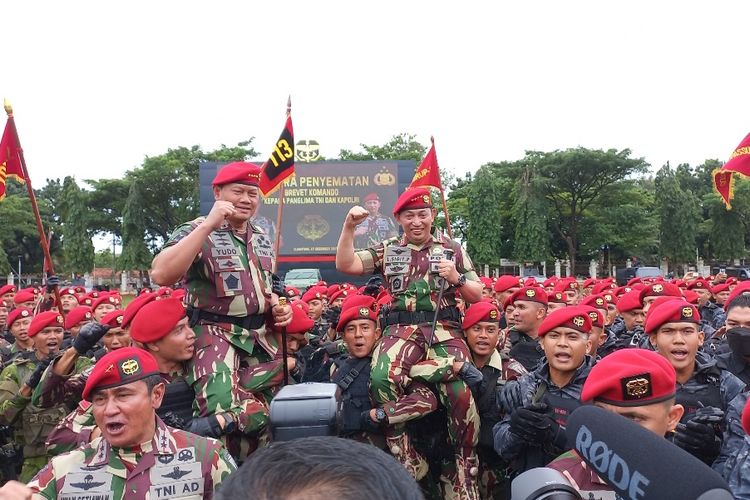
x: 739, y: 340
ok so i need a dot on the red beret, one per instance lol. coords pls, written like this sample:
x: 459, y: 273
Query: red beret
x: 729, y: 281
x: 76, y: 315
x: 721, y: 287
x: 84, y: 300
x: 597, y: 301
x: 132, y: 309
x: 7, y: 289
x: 741, y: 289
x: 413, y: 198
x: 321, y: 283
x: 630, y: 377
x: 621, y: 290
x: 45, y: 320
x: 481, y: 311
x: 290, y: 290
x: 699, y: 284
x: 104, y: 298
x: 163, y: 291
x: 567, y: 317
x: 341, y: 292
x: 556, y: 297
x: 357, y: 307
x: 18, y: 313
x: 239, y: 172
x: 120, y: 367
x: 371, y: 197
x: 690, y: 296
x: 94, y: 294
x: 610, y: 297
x: 24, y: 296
x: 660, y: 290
x: 633, y: 281
x: 145, y: 290
x: 301, y: 305
x: 384, y: 298
x: 179, y: 293
x: 595, y: 315
x: 113, y: 319
x: 333, y: 289
x: 746, y: 417
x: 603, y: 286
x: 314, y: 293
x: 506, y: 282
x: 629, y: 301
x: 531, y: 294
x: 670, y: 311
x: 566, y: 284
x: 589, y: 282
x: 68, y: 291
x: 301, y: 323
x: 156, y: 319
x: 550, y: 281
x: 486, y: 282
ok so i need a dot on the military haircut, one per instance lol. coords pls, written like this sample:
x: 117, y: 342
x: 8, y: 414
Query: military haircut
x: 320, y: 467
x: 742, y: 300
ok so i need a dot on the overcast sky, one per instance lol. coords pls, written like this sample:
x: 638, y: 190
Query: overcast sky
x: 97, y: 86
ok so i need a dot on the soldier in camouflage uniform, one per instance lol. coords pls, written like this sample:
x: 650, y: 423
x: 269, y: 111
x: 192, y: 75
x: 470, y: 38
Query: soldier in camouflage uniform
x: 376, y: 227
x: 412, y: 267
x: 17, y: 383
x: 225, y: 265
x: 137, y: 456
x: 18, y: 324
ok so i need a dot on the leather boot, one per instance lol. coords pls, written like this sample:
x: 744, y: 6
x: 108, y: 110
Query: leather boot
x: 401, y: 448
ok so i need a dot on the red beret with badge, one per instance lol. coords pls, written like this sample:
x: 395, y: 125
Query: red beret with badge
x: 156, y: 319
x: 301, y: 323
x: 480, y: 312
x: 292, y: 291
x: 597, y: 301
x: 506, y: 282
x: 239, y: 172
x: 113, y: 319
x: 595, y: 315
x: 120, y: 367
x: 24, y: 296
x: 104, y: 298
x: 341, y: 292
x: 69, y: 291
x: 357, y: 307
x: 371, y: 197
x: 550, y: 281
x: 566, y: 284
x: 76, y: 315
x: 660, y: 290
x: 7, y: 289
x: 18, y: 313
x: 567, y: 317
x: 486, y: 282
x: 44, y: 320
x: 556, y: 298
x: 699, y: 284
x: 314, y: 293
x: 530, y: 294
x: 412, y: 199
x: 670, y: 311
x: 741, y: 289
x: 589, y: 282
x: 630, y: 377
x: 602, y: 287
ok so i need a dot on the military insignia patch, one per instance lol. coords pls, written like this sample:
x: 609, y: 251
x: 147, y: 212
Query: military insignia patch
x: 593, y: 316
x: 130, y: 367
x: 687, y: 312
x: 364, y: 312
x: 530, y: 293
x: 558, y: 296
x: 87, y: 315
x: 599, y: 301
x: 579, y: 321
x: 493, y: 314
x: 426, y: 199
x: 119, y: 320
x: 658, y: 288
x: 436, y: 250
x: 24, y: 313
x: 636, y: 387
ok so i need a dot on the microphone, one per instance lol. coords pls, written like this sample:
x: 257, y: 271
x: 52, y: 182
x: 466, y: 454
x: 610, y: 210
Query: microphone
x: 637, y: 463
x: 542, y: 483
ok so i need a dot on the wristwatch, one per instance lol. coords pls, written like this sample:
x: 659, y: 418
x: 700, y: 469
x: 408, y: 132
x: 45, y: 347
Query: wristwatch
x: 461, y: 281
x: 380, y: 415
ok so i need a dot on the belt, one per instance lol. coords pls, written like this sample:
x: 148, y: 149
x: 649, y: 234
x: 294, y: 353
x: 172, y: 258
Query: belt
x: 414, y: 318
x: 251, y: 322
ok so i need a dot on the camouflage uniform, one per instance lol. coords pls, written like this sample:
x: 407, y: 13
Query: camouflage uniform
x: 73, y: 431
x: 230, y: 278
x: 406, y: 269
x: 379, y: 227
x: 33, y: 424
x: 734, y: 460
x: 173, y: 464
x: 582, y: 477
x: 54, y: 389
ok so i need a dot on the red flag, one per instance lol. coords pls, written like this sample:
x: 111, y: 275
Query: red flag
x: 280, y: 165
x: 10, y: 156
x: 738, y: 162
x: 427, y: 173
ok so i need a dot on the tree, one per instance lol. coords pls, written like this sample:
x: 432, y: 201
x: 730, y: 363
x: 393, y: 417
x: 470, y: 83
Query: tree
x: 485, y: 230
x: 678, y: 218
x: 576, y: 178
x: 531, y: 236
x: 135, y: 253
x: 400, y: 147
x: 79, y: 250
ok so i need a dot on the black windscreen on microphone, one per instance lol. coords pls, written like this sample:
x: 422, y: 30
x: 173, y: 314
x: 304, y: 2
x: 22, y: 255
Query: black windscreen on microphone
x: 637, y: 463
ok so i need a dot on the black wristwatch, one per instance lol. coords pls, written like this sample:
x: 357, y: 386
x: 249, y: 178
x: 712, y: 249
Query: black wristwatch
x: 380, y: 415
x: 461, y: 281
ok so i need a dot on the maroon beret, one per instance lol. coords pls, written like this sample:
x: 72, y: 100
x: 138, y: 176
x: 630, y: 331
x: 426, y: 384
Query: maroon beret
x: 68, y: 291
x: 132, y: 309
x: 413, y: 198
x: 314, y: 293
x: 357, y: 307
x: 239, y: 172
x: 24, y: 296
x: 630, y: 377
x: 45, y: 320
x: 156, y: 319
x: 120, y: 367
x: 660, y: 290
x: 113, y: 319
x: 301, y: 323
x: 506, y: 282
x: 595, y: 315
x: 670, y: 311
x: 531, y: 294
x: 7, y: 289
x: 567, y: 317
x: 104, y: 298
x: 371, y: 197
x: 19, y: 313
x: 556, y: 297
x: 481, y: 311
x: 76, y: 315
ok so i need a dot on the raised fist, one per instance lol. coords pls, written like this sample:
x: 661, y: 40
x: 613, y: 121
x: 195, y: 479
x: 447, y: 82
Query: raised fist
x: 355, y: 216
x: 219, y: 212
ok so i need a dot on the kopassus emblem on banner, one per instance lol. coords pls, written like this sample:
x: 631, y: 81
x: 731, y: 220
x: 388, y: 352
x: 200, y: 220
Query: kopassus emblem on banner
x: 307, y: 150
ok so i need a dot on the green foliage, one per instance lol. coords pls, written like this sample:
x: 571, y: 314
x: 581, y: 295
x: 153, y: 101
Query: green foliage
x: 485, y: 216
x: 400, y: 147
x: 679, y: 214
x: 79, y: 250
x: 135, y: 253
x: 531, y: 242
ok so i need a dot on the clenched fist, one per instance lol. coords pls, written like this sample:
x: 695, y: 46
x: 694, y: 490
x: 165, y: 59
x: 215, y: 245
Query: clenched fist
x: 219, y: 212
x: 355, y: 217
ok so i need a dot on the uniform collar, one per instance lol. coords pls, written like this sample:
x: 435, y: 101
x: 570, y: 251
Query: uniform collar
x: 161, y: 444
x: 495, y: 361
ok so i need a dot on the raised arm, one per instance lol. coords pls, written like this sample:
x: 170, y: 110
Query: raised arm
x: 346, y: 260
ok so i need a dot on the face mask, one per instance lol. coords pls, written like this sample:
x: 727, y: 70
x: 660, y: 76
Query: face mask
x: 739, y: 340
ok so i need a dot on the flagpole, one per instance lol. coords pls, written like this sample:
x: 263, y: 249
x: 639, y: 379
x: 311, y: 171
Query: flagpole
x: 34, y: 207
x: 280, y: 210
x: 445, y: 205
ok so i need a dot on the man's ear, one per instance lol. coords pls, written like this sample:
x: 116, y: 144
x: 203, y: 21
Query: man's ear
x: 674, y: 416
x: 157, y: 395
